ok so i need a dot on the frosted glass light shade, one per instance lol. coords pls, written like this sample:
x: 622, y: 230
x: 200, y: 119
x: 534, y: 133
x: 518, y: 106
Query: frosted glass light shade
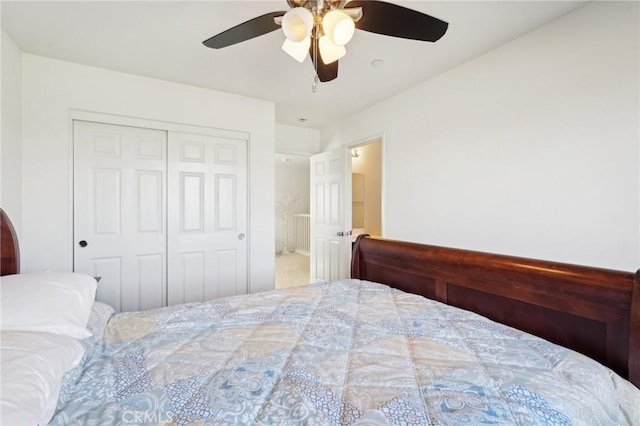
x: 329, y: 51
x: 297, y: 24
x: 338, y: 26
x: 297, y: 51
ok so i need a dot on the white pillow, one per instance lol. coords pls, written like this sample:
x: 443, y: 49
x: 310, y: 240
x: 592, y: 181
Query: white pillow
x: 52, y: 302
x: 33, y: 366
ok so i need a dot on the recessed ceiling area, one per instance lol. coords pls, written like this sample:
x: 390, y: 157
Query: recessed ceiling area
x: 163, y: 40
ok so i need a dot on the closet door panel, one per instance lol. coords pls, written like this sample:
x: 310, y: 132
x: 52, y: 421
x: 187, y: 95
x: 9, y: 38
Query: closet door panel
x: 160, y: 216
x: 120, y: 231
x: 109, y: 270
x: 150, y: 198
x: 193, y: 277
x: 207, y: 215
x: 105, y: 208
x: 151, y: 281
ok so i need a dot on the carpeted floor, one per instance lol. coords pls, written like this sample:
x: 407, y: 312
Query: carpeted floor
x: 292, y: 269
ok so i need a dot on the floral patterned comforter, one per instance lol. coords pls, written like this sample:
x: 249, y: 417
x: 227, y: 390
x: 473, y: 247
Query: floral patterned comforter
x: 342, y: 353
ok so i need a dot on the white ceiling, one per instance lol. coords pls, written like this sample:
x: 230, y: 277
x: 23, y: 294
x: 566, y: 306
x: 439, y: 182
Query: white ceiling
x: 163, y: 40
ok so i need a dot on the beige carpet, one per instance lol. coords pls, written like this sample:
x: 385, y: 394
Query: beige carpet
x: 292, y: 270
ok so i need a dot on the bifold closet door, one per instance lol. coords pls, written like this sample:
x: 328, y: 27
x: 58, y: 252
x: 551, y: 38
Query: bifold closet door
x: 120, y: 208
x: 207, y: 217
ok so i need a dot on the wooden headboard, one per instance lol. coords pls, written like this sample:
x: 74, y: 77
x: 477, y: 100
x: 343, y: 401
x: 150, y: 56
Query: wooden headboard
x: 9, y: 253
x: 590, y: 310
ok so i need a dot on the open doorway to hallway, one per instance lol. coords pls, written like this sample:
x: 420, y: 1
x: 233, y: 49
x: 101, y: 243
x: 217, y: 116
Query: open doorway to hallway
x: 292, y: 220
x: 292, y: 189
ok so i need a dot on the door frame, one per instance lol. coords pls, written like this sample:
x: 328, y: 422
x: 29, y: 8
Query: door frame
x: 377, y: 137
x: 121, y: 120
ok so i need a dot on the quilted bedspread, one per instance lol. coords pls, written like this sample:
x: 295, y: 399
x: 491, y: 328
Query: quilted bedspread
x: 348, y: 352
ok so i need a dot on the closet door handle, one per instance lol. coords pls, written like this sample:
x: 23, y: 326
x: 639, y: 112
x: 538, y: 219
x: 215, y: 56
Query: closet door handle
x: 241, y: 236
x: 83, y: 243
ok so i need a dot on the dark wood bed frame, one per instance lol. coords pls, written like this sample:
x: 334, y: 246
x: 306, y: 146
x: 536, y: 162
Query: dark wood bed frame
x: 593, y: 311
x: 590, y: 310
x: 9, y: 252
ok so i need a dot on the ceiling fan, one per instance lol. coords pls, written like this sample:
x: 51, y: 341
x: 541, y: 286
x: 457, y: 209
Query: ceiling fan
x: 323, y: 28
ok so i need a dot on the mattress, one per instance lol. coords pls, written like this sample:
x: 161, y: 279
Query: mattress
x: 341, y: 353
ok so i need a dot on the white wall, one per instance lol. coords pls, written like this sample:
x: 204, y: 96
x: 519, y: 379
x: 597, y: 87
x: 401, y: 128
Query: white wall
x: 297, y: 140
x: 52, y: 88
x: 294, y: 180
x: 11, y: 143
x: 531, y: 149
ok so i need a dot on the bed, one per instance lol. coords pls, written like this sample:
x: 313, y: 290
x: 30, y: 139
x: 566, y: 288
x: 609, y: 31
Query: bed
x: 419, y: 335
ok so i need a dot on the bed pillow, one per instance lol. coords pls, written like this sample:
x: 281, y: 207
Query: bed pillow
x: 51, y: 302
x: 33, y: 366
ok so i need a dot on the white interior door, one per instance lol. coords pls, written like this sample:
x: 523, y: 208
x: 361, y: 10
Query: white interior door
x: 207, y: 245
x: 119, y: 212
x: 330, y: 202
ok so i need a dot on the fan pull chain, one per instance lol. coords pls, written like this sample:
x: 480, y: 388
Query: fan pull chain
x: 316, y: 79
x: 316, y: 38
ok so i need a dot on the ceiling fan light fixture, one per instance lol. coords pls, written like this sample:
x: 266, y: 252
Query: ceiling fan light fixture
x: 338, y: 26
x: 297, y: 24
x: 330, y: 52
x: 297, y: 51
x: 326, y: 26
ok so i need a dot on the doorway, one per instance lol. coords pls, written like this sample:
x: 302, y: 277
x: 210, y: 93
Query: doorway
x: 292, y: 220
x: 363, y: 214
x: 366, y: 189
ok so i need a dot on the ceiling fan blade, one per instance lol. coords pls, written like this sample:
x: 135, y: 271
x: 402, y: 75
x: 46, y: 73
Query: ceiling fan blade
x: 325, y: 72
x: 247, y: 30
x: 397, y: 21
